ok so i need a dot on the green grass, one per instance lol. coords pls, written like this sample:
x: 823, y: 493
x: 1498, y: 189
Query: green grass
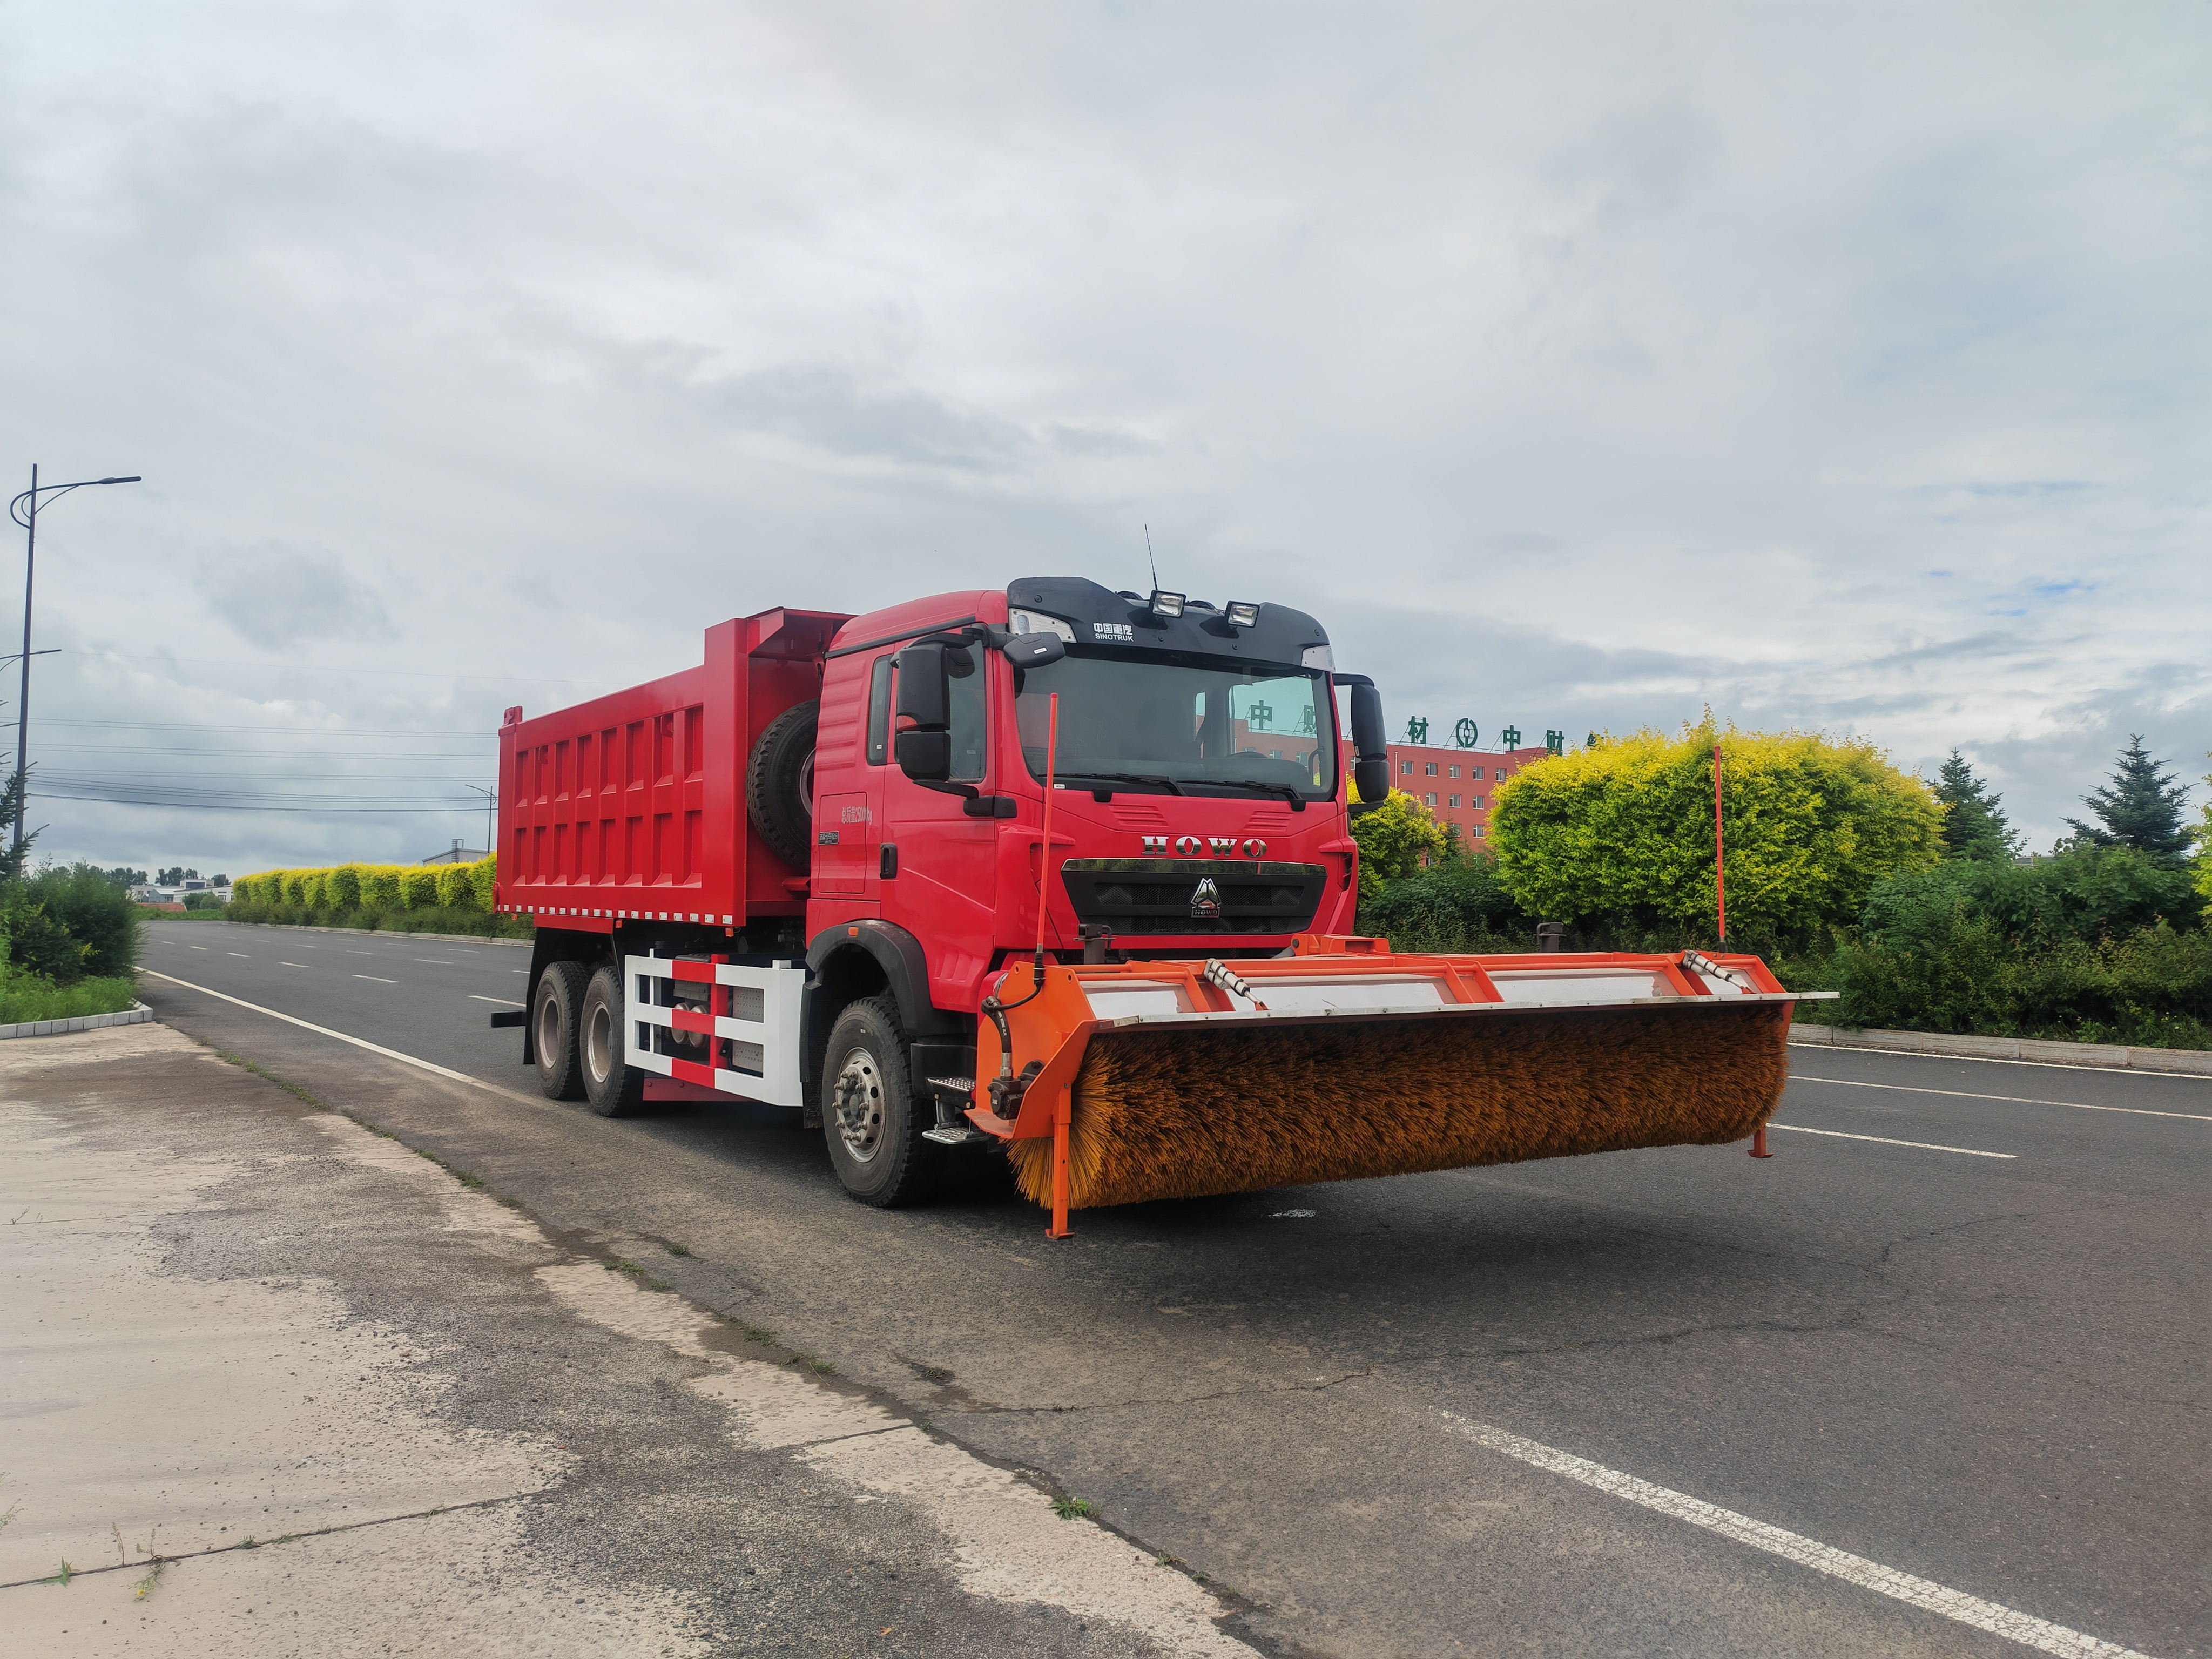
x: 428, y: 918
x: 25, y: 996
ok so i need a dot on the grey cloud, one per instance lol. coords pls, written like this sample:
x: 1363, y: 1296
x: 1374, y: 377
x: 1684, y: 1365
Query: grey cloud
x: 280, y: 598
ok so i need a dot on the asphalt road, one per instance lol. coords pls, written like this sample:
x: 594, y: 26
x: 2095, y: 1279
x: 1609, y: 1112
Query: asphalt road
x: 1345, y: 1403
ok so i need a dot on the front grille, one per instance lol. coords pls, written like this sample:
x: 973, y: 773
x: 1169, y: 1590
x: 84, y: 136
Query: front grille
x: 1136, y: 896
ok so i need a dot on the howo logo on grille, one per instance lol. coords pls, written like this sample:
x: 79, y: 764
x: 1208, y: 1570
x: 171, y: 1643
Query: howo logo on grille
x: 1221, y: 847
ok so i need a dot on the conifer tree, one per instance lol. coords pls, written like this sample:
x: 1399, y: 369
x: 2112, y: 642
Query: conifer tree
x: 1974, y: 823
x: 2140, y: 808
x: 13, y: 859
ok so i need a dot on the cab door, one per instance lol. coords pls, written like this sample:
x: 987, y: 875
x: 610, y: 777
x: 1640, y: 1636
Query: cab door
x: 939, y: 866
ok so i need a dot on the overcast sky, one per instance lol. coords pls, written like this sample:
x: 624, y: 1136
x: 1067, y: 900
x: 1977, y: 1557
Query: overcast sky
x: 1580, y: 366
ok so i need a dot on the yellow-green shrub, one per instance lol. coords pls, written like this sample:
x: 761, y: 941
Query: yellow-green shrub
x: 379, y: 886
x: 484, y: 876
x: 418, y: 886
x: 342, y: 887
x: 310, y: 888
x: 1625, y: 829
x: 293, y: 886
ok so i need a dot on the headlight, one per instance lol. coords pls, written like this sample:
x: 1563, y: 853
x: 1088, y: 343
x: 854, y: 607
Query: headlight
x: 1242, y: 615
x: 1166, y: 604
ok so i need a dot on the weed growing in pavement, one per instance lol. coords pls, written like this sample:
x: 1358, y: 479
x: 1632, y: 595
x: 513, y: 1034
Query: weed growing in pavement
x: 816, y: 1363
x: 760, y: 1334
x: 623, y: 1264
x: 677, y: 1249
x: 936, y: 1374
x: 61, y: 1578
x: 145, y: 1586
x: 1069, y: 1508
x: 289, y: 1088
x: 653, y: 1284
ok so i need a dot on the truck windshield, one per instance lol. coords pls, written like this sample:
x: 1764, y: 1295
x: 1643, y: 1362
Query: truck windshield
x: 1166, y: 725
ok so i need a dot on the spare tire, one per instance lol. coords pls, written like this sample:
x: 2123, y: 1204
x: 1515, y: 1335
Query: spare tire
x: 780, y: 785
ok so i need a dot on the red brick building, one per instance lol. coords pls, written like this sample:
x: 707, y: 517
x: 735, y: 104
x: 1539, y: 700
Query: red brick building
x: 1456, y: 783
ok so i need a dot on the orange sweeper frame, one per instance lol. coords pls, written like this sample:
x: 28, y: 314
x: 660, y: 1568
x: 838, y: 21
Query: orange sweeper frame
x: 1176, y: 1079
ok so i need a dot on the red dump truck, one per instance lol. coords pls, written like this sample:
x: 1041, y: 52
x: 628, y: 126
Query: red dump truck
x: 823, y: 870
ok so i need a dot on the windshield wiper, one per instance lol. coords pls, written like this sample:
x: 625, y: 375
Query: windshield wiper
x: 1289, y: 791
x: 1168, y: 784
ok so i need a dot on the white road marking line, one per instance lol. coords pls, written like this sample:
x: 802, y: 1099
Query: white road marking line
x: 435, y: 962
x: 1992, y: 1059
x: 358, y: 1042
x: 509, y: 1002
x: 379, y: 981
x: 1289, y: 1215
x: 1924, y: 1146
x: 196, y: 947
x: 291, y: 964
x: 241, y: 955
x: 359, y: 953
x: 1991, y: 1616
x: 2010, y: 1100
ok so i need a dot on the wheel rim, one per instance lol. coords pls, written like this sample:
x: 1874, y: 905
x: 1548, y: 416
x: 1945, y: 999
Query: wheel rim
x: 549, y: 1030
x: 599, y: 1042
x: 857, y: 1098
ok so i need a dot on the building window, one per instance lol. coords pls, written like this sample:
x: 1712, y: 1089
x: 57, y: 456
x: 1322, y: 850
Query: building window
x: 1479, y: 834
x: 1475, y: 773
x: 1428, y: 801
x: 1475, y: 801
x: 1405, y: 768
x: 1455, y: 771
x: 1431, y: 772
x: 1454, y: 800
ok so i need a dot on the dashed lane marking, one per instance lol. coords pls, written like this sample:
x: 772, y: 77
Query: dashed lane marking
x: 506, y: 1001
x: 2010, y: 1100
x: 373, y: 979
x: 291, y: 964
x: 358, y: 1042
x: 1924, y: 1146
x: 1992, y: 1616
x: 241, y: 955
x: 435, y: 962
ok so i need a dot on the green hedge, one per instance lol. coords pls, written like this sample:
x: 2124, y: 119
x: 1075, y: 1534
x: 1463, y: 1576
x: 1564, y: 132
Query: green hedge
x: 412, y: 898
x: 375, y: 887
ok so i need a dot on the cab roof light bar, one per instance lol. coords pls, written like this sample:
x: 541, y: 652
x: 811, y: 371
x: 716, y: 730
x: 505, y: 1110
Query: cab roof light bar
x: 1165, y: 603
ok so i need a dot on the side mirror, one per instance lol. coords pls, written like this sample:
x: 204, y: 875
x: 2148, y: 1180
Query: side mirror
x: 924, y: 748
x: 1371, y: 747
x: 1035, y: 650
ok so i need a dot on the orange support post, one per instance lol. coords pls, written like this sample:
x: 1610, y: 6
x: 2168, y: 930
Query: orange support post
x: 1759, y: 1142
x: 1060, y: 1228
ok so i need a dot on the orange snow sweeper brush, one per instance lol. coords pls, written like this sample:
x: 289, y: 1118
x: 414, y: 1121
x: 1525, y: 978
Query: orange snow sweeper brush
x: 1121, y: 1082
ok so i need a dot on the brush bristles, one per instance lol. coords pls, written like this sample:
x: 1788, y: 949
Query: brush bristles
x: 1168, y: 1113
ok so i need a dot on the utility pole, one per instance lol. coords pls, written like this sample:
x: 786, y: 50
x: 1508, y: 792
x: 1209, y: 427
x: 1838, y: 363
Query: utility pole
x: 491, y: 801
x: 24, y: 509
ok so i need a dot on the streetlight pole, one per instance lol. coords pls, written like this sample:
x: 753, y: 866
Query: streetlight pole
x: 24, y: 509
x: 491, y: 800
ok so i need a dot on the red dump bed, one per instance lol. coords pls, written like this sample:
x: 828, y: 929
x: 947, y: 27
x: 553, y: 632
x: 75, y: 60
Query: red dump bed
x: 633, y: 804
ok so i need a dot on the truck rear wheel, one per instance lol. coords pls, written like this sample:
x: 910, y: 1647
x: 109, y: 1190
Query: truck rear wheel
x: 870, y: 1117
x: 553, y: 1030
x: 612, y: 1086
x: 780, y: 785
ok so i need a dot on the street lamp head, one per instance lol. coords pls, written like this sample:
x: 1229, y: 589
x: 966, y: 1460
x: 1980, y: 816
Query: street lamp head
x: 133, y: 478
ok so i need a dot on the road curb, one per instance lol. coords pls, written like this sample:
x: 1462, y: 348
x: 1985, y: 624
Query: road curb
x: 136, y: 1014
x: 2106, y: 1056
x: 377, y: 933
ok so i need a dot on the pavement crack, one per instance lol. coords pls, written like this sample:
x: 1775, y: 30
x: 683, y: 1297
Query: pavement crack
x: 286, y: 1538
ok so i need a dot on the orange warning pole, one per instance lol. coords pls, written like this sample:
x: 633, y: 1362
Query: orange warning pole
x: 1720, y: 873
x: 1060, y: 1114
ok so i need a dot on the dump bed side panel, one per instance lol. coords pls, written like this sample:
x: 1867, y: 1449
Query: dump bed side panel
x: 632, y: 805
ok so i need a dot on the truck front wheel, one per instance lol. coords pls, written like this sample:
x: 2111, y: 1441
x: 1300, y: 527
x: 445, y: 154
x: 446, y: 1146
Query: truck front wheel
x: 612, y: 1086
x: 870, y: 1117
x: 553, y: 1030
